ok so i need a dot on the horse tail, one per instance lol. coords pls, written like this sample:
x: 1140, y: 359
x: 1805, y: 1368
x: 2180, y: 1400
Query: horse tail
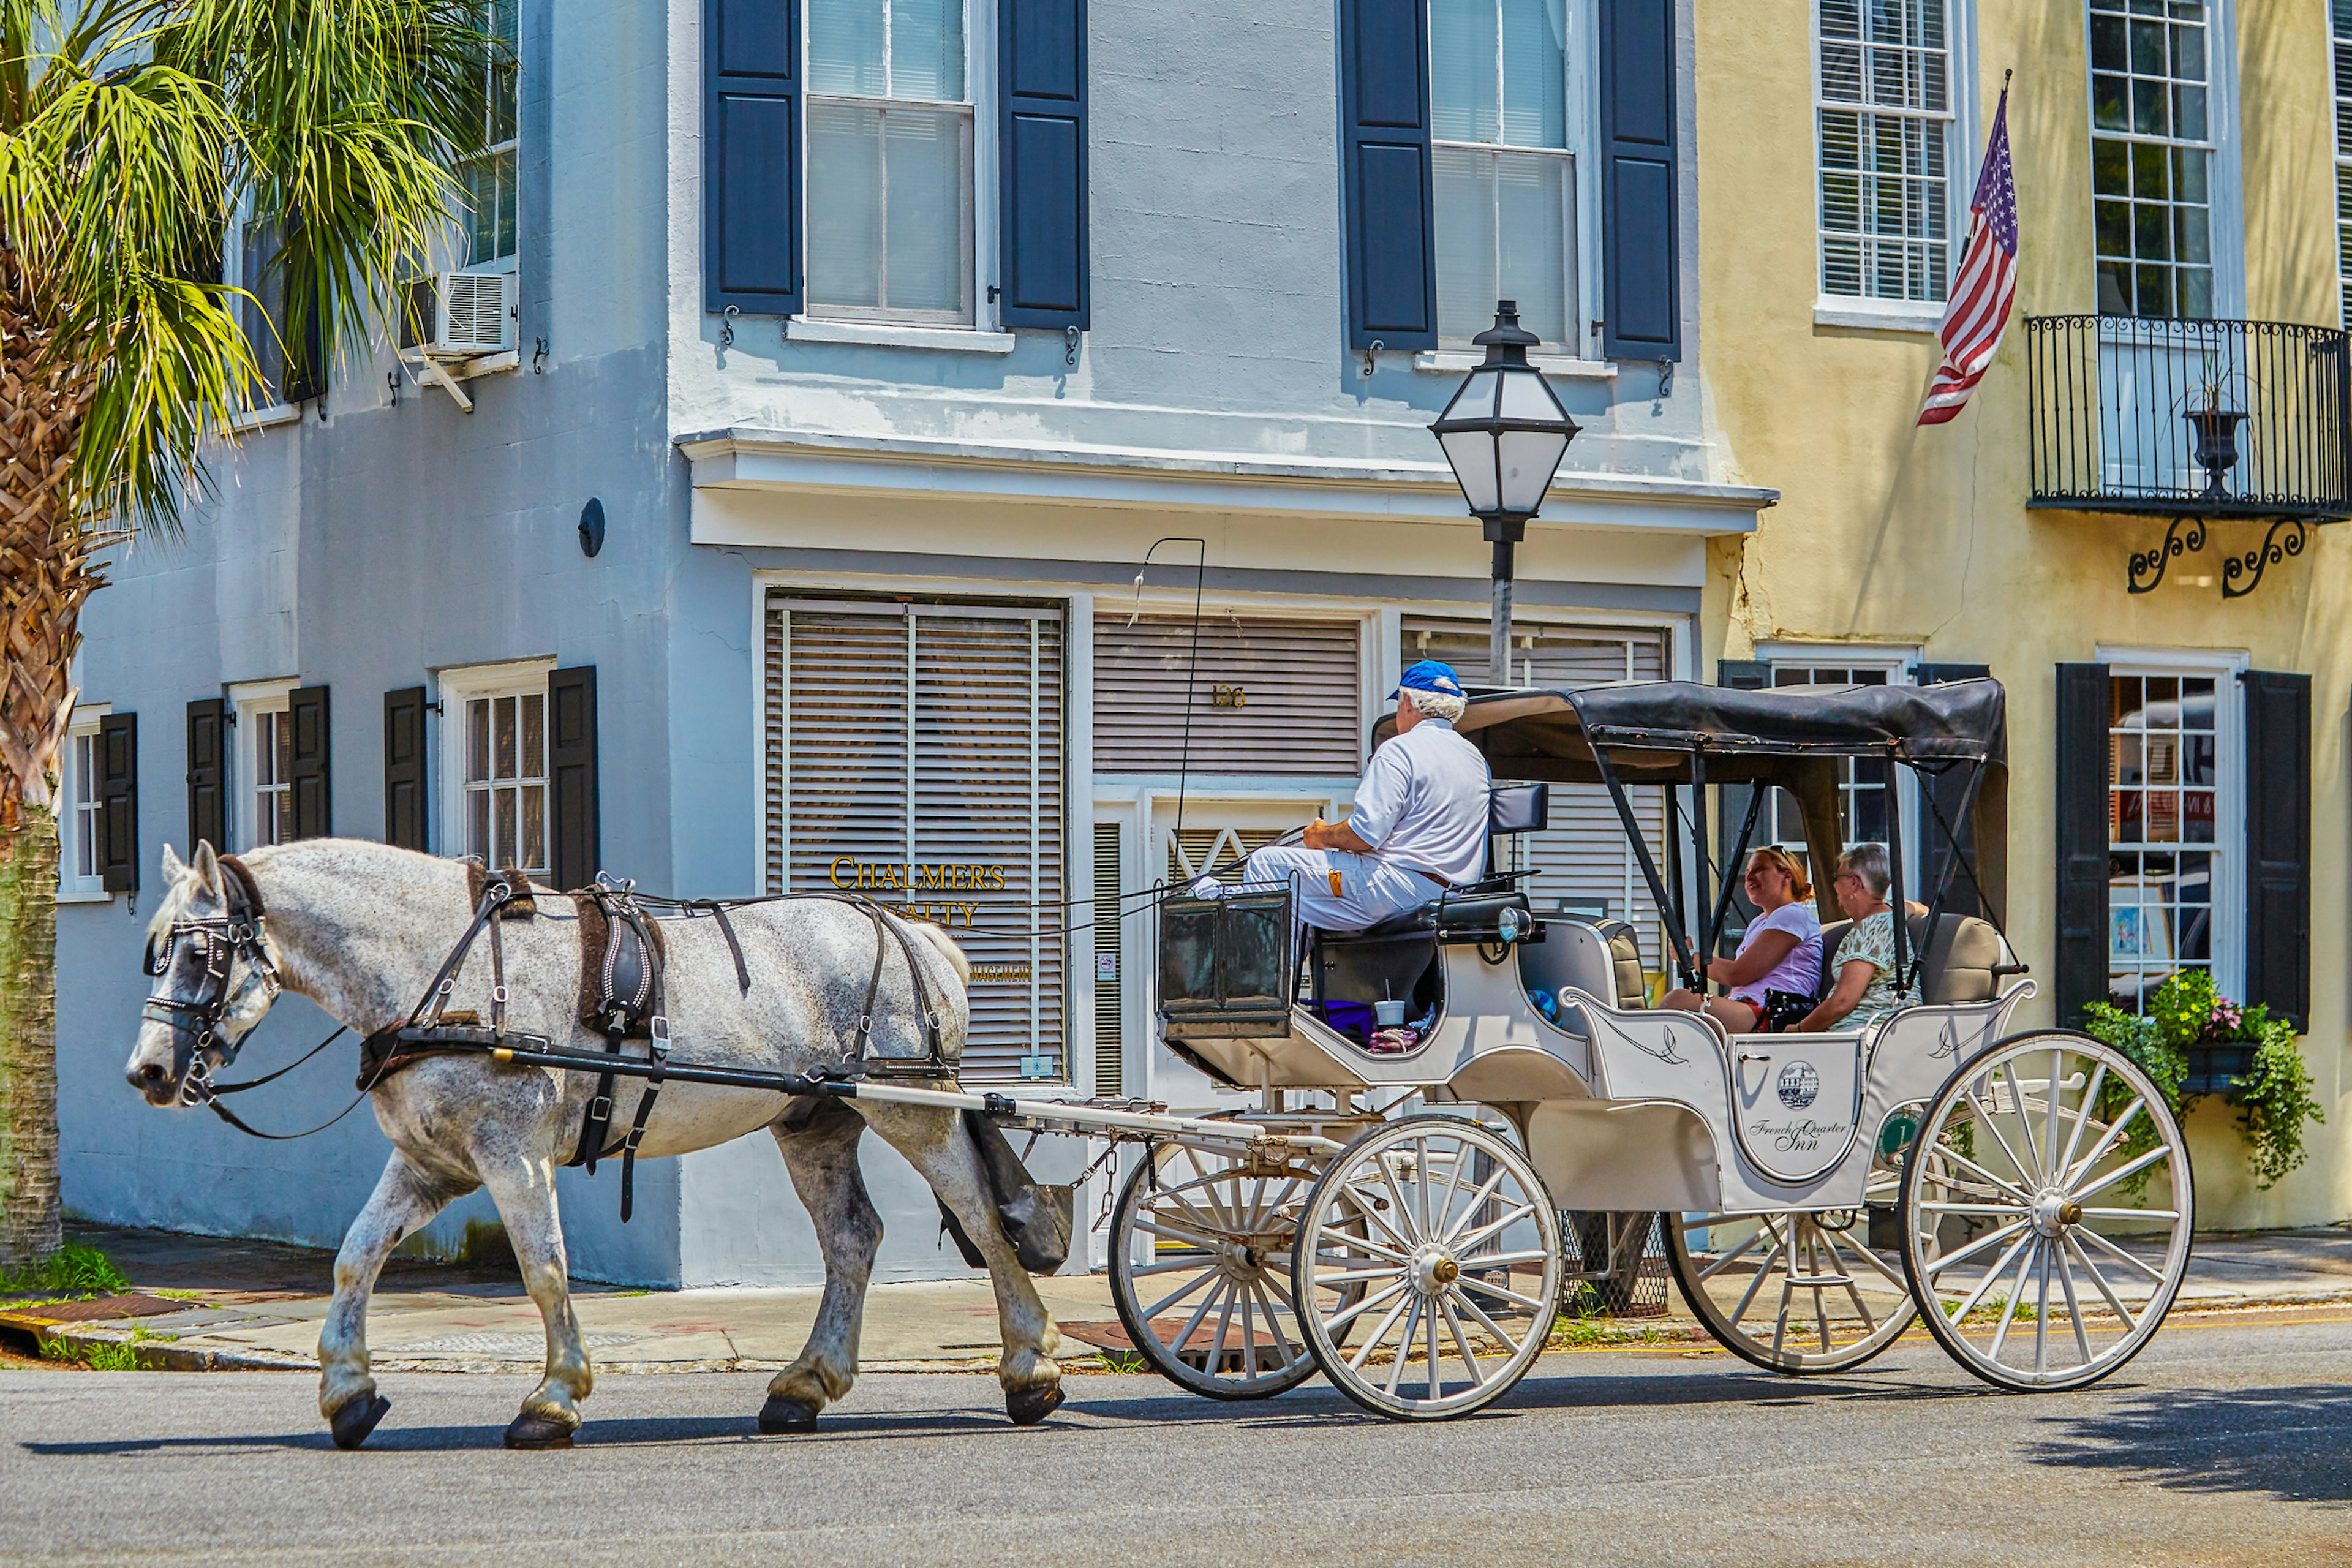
x: 948, y: 949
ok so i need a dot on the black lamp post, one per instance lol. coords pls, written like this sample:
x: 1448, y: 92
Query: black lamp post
x: 1503, y: 435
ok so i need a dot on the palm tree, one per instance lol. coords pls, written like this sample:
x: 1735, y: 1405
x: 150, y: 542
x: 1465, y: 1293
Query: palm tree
x: 132, y: 131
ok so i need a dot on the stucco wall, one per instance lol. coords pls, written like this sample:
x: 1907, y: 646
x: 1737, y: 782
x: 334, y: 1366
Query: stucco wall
x: 1889, y: 533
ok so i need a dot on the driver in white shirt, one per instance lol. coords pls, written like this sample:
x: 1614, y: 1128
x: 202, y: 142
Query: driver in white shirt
x: 1418, y: 825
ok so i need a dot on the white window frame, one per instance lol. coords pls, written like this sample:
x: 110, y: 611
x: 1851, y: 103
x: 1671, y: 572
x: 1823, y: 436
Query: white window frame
x: 2229, y: 846
x: 73, y: 889
x: 233, y: 275
x: 895, y: 325
x: 456, y: 687
x: 511, y: 145
x: 248, y: 700
x: 2341, y: 50
x: 1963, y: 158
x: 1581, y: 28
x: 2226, y: 207
x: 1901, y: 666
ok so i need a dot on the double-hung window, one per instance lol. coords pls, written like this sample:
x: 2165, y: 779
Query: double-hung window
x: 890, y: 130
x: 2152, y: 147
x: 487, y: 178
x: 2169, y: 823
x: 1505, y: 129
x: 506, y: 778
x: 81, y: 826
x: 285, y: 352
x: 2341, y: 11
x: 1885, y: 126
x: 264, y: 764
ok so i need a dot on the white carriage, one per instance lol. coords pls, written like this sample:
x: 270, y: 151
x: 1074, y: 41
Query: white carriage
x: 2030, y: 1190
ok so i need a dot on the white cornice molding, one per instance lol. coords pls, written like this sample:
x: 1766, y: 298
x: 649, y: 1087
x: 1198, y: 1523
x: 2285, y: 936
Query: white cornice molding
x: 745, y: 459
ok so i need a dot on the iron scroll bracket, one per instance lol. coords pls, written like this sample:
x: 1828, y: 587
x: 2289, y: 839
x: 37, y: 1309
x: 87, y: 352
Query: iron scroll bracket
x: 2256, y: 560
x: 2178, y: 539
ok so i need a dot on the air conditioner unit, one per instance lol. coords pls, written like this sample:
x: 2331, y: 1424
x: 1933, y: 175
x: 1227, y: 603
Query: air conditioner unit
x: 461, y: 314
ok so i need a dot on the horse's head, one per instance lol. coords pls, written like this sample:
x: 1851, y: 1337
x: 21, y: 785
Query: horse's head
x: 215, y: 971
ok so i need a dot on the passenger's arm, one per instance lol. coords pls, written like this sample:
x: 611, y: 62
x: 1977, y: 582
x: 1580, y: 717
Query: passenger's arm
x: 1763, y: 955
x: 1322, y: 834
x: 1853, y: 979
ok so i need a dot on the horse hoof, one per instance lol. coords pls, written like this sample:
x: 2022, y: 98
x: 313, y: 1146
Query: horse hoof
x: 1027, y: 1407
x: 355, y: 1417
x: 528, y: 1431
x: 779, y: 1417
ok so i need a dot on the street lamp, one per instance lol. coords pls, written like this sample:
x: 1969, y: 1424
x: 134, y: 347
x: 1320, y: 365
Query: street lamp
x: 1504, y: 435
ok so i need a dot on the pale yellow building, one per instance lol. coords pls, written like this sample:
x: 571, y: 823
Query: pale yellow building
x: 1838, y: 144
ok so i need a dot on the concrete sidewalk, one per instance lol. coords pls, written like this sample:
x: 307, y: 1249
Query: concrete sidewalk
x: 207, y: 1304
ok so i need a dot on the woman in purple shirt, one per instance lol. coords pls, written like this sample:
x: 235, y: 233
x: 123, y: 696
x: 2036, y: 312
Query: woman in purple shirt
x: 1781, y: 951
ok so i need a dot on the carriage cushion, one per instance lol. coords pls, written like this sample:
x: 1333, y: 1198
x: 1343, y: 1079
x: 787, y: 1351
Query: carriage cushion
x: 1957, y: 967
x: 1625, y: 964
x: 1471, y: 909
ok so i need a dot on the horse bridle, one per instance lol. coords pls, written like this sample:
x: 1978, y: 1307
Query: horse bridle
x: 221, y: 939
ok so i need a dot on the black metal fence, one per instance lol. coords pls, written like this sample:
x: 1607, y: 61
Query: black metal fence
x: 2206, y: 418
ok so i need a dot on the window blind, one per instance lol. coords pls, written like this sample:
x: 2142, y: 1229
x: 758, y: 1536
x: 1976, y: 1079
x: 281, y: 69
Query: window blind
x: 1268, y: 696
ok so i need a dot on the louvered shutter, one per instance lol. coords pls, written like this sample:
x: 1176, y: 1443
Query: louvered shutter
x: 1583, y: 856
x: 405, y: 798
x: 1110, y: 993
x: 208, y: 773
x: 2085, y: 775
x: 1640, y: 276
x: 118, y: 793
x: 2278, y: 843
x: 1042, y: 149
x: 921, y: 757
x: 751, y: 155
x: 309, y: 775
x: 1300, y: 684
x: 1947, y: 791
x: 1384, y: 148
x: 572, y: 783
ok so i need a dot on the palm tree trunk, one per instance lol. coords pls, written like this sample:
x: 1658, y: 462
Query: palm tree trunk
x: 45, y: 576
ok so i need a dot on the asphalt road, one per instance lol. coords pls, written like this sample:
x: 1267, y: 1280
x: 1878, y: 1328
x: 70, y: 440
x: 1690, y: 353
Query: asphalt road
x: 2224, y: 1444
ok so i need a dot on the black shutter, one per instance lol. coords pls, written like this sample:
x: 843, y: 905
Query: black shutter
x: 1640, y: 274
x: 1744, y: 675
x: 1042, y: 167
x: 2084, y: 778
x: 1384, y: 148
x: 751, y: 155
x: 405, y: 770
x: 2278, y: 843
x: 208, y: 773
x: 117, y: 795
x: 577, y: 854
x: 1947, y: 791
x: 306, y: 711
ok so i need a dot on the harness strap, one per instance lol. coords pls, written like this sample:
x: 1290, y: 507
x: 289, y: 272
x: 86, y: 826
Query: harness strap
x: 657, y: 1045
x: 726, y: 929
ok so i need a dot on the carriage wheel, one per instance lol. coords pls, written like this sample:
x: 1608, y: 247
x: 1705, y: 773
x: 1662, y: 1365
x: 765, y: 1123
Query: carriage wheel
x: 1797, y: 1291
x: 1201, y: 1272
x: 2046, y: 1212
x: 1438, y: 1234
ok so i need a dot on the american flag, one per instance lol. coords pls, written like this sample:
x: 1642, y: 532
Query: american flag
x: 1987, y: 286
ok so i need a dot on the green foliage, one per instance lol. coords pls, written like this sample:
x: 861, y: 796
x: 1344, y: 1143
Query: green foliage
x: 73, y: 1271
x: 2273, y: 1100
x: 97, y: 1355
x: 132, y: 131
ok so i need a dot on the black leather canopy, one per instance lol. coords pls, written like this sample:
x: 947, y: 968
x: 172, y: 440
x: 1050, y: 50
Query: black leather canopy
x: 1781, y: 735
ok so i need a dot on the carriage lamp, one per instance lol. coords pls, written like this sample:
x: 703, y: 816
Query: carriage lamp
x: 1504, y: 435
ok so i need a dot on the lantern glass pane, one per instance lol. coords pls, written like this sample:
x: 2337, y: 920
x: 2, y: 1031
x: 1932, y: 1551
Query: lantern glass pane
x: 1525, y: 397
x: 1476, y: 398
x: 1471, y: 453
x: 1527, y: 459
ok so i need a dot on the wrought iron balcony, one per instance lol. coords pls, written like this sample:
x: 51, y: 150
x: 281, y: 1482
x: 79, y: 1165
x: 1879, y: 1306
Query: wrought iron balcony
x: 2195, y: 421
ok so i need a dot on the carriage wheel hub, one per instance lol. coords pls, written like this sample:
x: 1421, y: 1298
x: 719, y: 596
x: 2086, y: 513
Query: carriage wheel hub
x: 2054, y: 1213
x: 1433, y: 1271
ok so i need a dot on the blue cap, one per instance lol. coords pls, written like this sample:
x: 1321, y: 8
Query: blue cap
x: 1429, y: 675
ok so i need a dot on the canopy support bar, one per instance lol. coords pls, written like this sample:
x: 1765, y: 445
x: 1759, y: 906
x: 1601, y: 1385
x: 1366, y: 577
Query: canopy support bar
x: 1904, y: 971
x: 1649, y: 866
x: 1738, y: 858
x: 1702, y: 862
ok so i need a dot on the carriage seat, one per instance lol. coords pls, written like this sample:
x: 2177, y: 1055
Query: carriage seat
x: 1397, y: 956
x: 1962, y: 964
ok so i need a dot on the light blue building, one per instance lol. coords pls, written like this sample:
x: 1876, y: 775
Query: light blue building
x: 889, y: 340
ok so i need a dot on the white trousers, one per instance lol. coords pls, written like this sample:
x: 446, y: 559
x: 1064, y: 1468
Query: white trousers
x: 1340, y: 891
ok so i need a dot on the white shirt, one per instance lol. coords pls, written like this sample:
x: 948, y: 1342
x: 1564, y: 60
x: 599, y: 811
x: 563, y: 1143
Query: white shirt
x: 1424, y: 803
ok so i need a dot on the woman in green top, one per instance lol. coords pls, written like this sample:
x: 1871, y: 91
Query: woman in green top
x: 1864, y: 992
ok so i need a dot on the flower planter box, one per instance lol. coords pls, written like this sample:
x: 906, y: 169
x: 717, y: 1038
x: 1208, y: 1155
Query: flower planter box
x: 2217, y: 1069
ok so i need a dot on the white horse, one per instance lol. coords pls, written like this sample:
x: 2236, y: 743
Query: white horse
x: 362, y: 929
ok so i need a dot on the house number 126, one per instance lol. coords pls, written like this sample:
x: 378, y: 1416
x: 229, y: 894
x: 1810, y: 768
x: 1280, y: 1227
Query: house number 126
x: 1228, y: 696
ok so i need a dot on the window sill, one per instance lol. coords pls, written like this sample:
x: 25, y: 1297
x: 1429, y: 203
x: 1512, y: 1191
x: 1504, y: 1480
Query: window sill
x: 87, y: 896
x: 1453, y: 362
x: 466, y: 369
x: 1867, y: 316
x: 897, y: 335
x: 264, y: 418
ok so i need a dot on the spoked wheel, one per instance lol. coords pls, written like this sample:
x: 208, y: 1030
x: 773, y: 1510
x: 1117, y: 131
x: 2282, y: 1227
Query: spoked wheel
x: 1201, y: 1272
x: 2047, y: 1208
x: 1438, y: 1234
x: 1795, y: 1292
